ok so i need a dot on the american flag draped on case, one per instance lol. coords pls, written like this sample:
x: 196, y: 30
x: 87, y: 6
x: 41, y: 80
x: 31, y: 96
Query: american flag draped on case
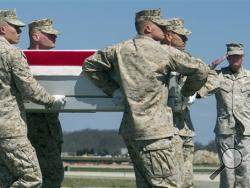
x: 60, y: 72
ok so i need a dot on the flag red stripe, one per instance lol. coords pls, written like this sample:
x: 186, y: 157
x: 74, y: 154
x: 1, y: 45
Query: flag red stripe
x: 57, y: 57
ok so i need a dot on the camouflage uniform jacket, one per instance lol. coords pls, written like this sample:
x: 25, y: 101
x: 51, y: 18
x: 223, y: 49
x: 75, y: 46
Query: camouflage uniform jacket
x: 16, y: 82
x: 141, y: 65
x: 181, y: 113
x: 232, y: 94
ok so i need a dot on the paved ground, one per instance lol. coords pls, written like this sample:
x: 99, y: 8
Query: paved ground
x: 204, y: 184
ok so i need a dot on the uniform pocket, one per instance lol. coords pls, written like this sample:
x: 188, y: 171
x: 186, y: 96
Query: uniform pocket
x: 22, y: 159
x: 226, y: 87
x: 246, y: 88
x: 159, y: 160
x: 246, y: 93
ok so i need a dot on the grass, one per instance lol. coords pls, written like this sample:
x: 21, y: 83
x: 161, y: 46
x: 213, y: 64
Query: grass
x: 96, y: 169
x: 204, y: 169
x: 77, y: 182
x: 197, y: 169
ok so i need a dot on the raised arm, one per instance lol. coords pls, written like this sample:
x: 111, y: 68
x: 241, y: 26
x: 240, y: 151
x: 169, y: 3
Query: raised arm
x: 211, y: 86
x: 216, y: 62
x: 195, y: 70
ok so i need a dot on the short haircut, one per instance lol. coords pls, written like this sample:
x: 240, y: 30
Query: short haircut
x: 32, y: 30
x: 3, y: 23
x: 139, y: 26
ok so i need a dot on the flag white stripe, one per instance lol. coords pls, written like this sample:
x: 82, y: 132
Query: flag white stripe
x: 56, y: 70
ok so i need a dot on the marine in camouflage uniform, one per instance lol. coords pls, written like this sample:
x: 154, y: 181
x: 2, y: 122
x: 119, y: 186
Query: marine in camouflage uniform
x: 138, y: 68
x: 176, y: 35
x: 231, y: 86
x: 44, y: 129
x: 18, y: 161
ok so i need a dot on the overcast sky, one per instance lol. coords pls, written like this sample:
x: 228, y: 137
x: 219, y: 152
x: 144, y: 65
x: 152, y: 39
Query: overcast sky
x: 95, y: 24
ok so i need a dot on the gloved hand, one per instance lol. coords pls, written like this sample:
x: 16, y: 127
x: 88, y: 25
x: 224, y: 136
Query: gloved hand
x: 118, y: 97
x: 191, y: 99
x: 187, y: 101
x: 59, y: 102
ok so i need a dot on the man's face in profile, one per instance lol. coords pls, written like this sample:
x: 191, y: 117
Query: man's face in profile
x: 46, y: 41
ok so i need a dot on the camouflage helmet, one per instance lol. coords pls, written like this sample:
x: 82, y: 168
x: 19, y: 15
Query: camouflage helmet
x: 235, y: 49
x: 43, y: 25
x: 10, y: 17
x: 152, y: 15
x: 177, y: 25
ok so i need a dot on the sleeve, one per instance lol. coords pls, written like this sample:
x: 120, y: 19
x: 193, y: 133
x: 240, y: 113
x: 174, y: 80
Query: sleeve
x: 25, y: 82
x: 98, y: 68
x: 195, y: 70
x: 212, y: 66
x: 211, y: 86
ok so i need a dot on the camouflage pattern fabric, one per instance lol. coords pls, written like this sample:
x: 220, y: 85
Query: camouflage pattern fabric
x: 183, y: 139
x: 188, y: 155
x: 181, y: 116
x: 44, y: 129
x: 10, y: 17
x: 17, y: 82
x: 178, y: 104
x: 242, y: 173
x: 227, y: 176
x: 232, y: 126
x: 136, y: 65
x: 45, y: 134
x: 235, y: 48
x: 18, y: 164
x: 238, y: 177
x: 177, y: 142
x: 144, y: 63
x: 153, y: 15
x: 184, y: 154
x: 43, y: 25
x: 177, y: 25
x: 232, y: 96
x: 154, y: 163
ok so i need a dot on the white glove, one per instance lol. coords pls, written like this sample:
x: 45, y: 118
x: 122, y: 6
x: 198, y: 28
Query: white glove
x: 188, y: 101
x: 191, y: 99
x: 59, y: 102
x: 118, y: 97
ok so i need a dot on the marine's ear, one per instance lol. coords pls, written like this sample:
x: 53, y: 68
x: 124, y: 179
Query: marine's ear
x: 35, y: 37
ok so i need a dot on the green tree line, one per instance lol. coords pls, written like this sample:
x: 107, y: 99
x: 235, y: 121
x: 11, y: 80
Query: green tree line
x: 92, y: 141
x: 105, y: 142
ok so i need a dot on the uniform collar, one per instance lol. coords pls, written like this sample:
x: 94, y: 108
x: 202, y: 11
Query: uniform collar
x: 229, y: 74
x: 145, y: 37
x: 2, y: 39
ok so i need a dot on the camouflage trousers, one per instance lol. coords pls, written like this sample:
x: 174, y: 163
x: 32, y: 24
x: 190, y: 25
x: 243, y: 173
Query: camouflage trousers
x: 184, y: 153
x: 44, y: 133
x: 49, y: 157
x: 154, y: 163
x: 240, y: 176
x: 19, y: 166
